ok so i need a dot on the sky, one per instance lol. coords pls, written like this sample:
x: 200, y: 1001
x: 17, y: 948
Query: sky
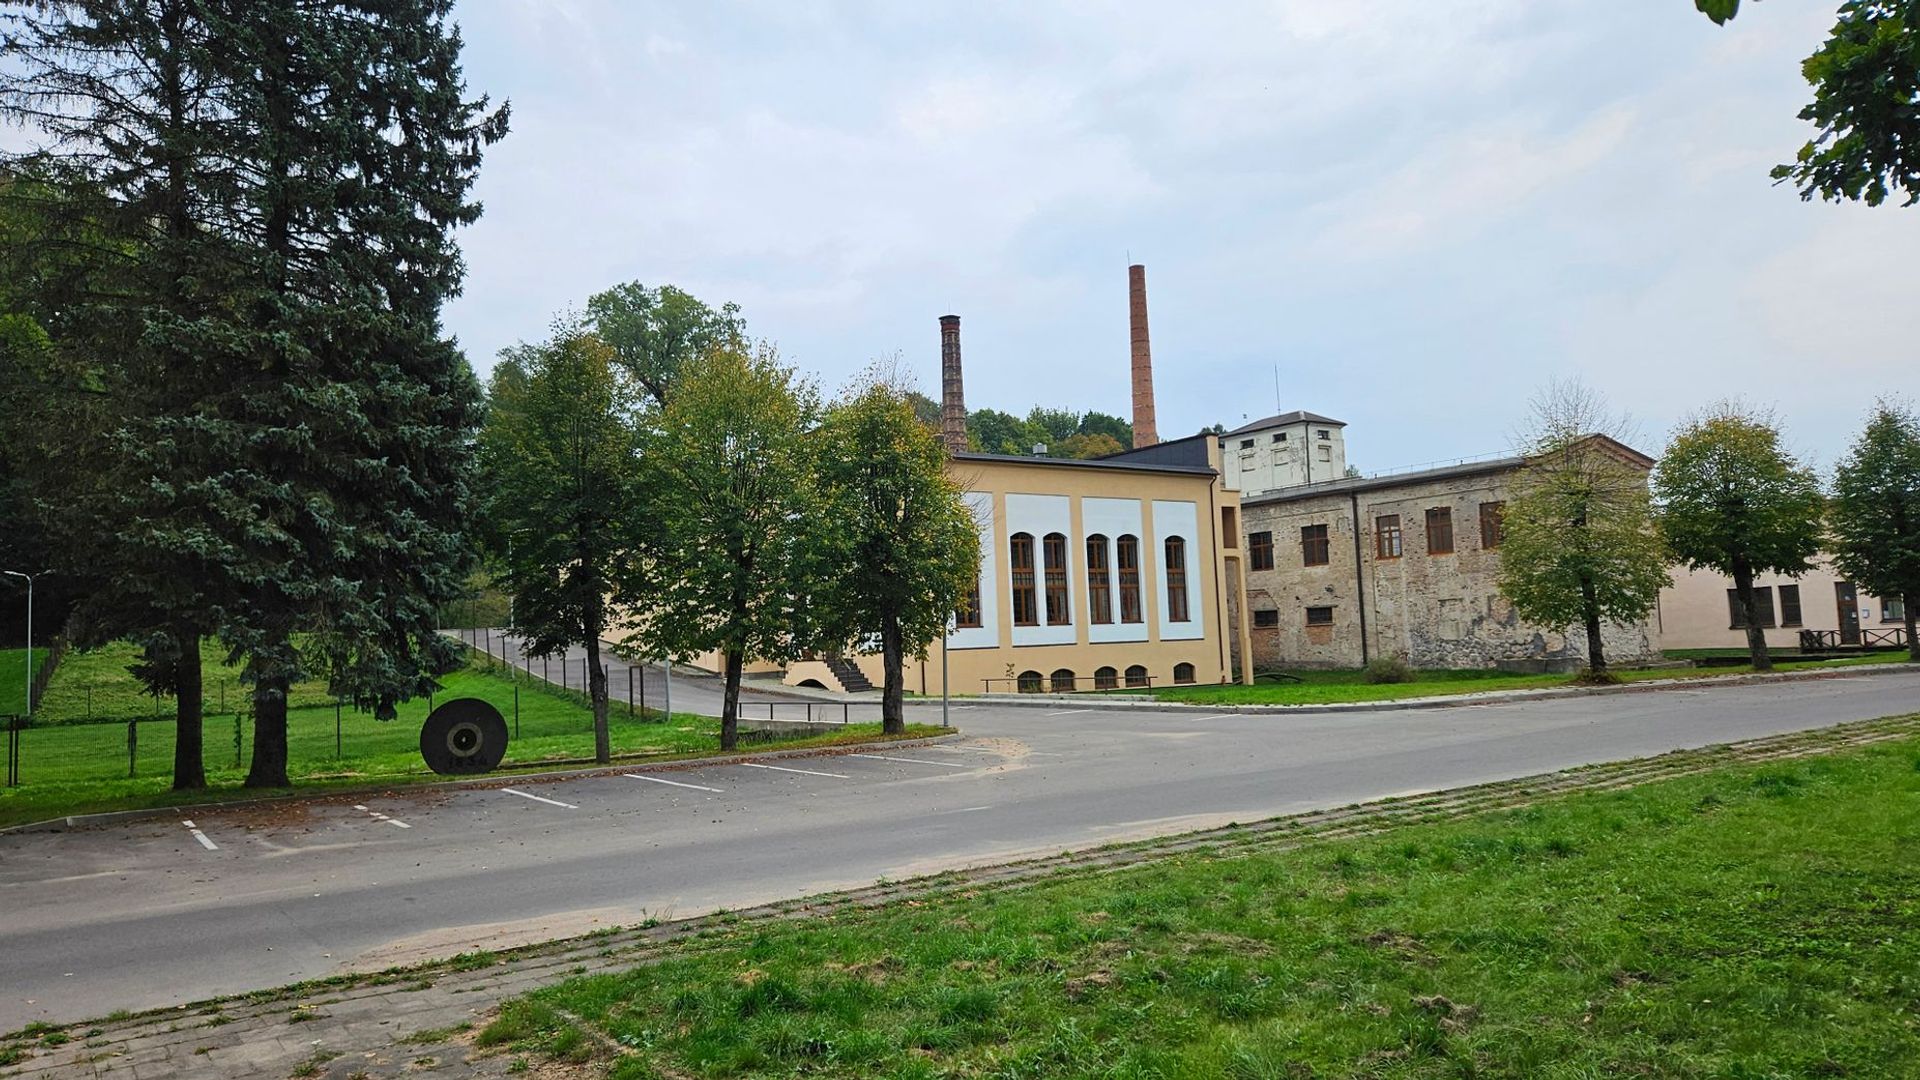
x: 1405, y: 215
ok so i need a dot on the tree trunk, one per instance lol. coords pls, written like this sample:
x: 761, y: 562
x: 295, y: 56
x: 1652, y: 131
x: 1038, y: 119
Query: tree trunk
x: 1913, y: 641
x: 269, y: 768
x: 1756, y: 634
x: 189, y: 713
x: 730, y: 708
x: 893, y: 718
x: 597, y: 692
x: 1596, y: 651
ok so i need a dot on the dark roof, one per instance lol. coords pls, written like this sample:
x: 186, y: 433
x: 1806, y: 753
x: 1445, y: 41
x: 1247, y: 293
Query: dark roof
x: 1298, y: 416
x: 1089, y: 463
x: 1192, y: 451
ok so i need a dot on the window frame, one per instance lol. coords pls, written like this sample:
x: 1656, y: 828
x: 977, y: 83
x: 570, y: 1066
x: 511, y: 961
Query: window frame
x: 1387, y: 526
x: 1174, y: 548
x: 1059, y: 600
x: 1260, y: 550
x: 968, y: 616
x: 1442, y: 516
x: 1313, y: 621
x: 1026, y: 595
x: 1132, y: 608
x: 1099, y: 580
x: 1762, y: 599
x: 1266, y: 619
x: 1312, y: 544
x: 1493, y: 524
x: 1789, y: 600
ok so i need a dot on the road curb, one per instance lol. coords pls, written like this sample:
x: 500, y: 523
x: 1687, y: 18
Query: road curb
x: 478, y: 783
x: 1442, y: 701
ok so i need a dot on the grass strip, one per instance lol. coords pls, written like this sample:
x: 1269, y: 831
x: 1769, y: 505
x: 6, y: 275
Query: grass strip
x: 1755, y: 920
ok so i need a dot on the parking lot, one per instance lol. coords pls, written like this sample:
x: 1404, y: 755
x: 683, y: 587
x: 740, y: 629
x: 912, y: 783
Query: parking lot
x: 187, y: 906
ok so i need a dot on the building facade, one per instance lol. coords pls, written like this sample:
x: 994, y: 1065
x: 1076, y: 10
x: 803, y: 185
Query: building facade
x: 1698, y: 611
x: 1351, y: 569
x: 1285, y: 451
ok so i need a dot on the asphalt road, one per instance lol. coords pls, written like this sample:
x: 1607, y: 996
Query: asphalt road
x: 164, y: 911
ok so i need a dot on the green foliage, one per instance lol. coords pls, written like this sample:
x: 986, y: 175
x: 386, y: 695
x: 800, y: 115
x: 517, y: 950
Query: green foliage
x: 730, y: 501
x: 899, y: 546
x: 563, y: 497
x: 655, y: 332
x: 1875, y: 514
x: 1866, y: 82
x: 1064, y: 433
x: 1720, y: 11
x: 1733, y: 500
x: 1580, y: 546
x: 1389, y: 669
x: 925, y: 409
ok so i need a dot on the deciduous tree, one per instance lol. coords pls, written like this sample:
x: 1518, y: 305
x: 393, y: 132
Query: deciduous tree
x: 563, y: 495
x: 1876, y: 511
x: 1733, y: 500
x: 730, y: 497
x: 1579, y: 544
x: 900, y: 547
x: 656, y: 332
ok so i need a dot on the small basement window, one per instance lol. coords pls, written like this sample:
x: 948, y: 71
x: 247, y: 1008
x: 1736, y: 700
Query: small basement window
x: 1319, y: 616
x: 1266, y: 620
x: 1183, y: 673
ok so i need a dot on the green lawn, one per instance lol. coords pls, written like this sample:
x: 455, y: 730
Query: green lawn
x: 1753, y: 921
x: 95, y: 685
x: 13, y: 678
x: 78, y: 768
x: 1333, y: 687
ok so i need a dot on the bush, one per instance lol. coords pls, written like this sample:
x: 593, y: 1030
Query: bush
x: 1389, y: 669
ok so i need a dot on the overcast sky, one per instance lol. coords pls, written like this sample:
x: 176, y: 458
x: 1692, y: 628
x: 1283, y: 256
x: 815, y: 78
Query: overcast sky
x: 1416, y: 212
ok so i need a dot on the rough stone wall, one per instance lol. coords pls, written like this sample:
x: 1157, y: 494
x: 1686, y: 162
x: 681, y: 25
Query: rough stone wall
x: 1436, y: 611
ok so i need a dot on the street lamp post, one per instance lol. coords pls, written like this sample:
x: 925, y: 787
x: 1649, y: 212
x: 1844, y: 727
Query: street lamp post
x: 29, y: 580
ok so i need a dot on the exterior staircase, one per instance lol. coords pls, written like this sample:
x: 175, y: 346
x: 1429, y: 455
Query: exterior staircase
x: 852, y: 680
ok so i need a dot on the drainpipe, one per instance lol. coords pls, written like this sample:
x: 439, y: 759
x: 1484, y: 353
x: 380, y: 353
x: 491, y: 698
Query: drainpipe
x: 1359, y: 578
x: 1219, y: 606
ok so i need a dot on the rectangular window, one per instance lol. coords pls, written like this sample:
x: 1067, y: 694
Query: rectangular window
x: 1260, y: 550
x: 1789, y: 605
x: 1314, y: 547
x: 1440, y: 530
x: 1266, y: 620
x: 1325, y: 434
x: 1319, y: 616
x: 1127, y: 553
x: 1386, y: 532
x: 1026, y: 605
x: 1176, y: 579
x: 1493, y: 524
x: 1246, y: 444
x: 1099, y: 587
x: 967, y: 616
x: 1893, y: 610
x: 1762, y: 602
x: 1055, y: 553
x: 1281, y: 437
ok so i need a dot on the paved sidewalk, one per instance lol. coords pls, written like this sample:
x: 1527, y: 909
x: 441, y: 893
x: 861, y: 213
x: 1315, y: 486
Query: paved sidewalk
x: 422, y: 1021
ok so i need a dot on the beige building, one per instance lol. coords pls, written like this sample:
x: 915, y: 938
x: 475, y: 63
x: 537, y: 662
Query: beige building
x: 1820, y: 608
x: 1407, y: 565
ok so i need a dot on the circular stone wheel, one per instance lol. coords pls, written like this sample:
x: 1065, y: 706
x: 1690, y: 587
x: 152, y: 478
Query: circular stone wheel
x: 466, y: 735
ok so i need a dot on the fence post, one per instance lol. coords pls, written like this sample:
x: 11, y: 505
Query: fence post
x: 13, y: 751
x: 629, y: 691
x: 133, y: 744
x: 336, y: 729
x: 643, y: 690
x: 516, y: 708
x: 846, y: 713
x: 236, y: 738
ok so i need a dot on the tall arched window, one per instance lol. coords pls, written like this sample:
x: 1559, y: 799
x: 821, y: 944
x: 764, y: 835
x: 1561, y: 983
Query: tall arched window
x: 1099, y: 587
x: 1054, y: 551
x: 1026, y: 605
x: 1127, y: 552
x: 1176, y: 579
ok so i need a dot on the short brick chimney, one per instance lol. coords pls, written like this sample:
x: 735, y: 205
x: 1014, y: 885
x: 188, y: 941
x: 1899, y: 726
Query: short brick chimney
x: 953, y: 400
x: 1144, y: 432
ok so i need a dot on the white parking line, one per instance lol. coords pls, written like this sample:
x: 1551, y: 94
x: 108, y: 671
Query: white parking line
x: 672, y: 783
x: 200, y: 836
x: 802, y: 772
x: 1215, y: 716
x: 913, y: 761
x: 1069, y: 712
x: 539, y: 798
x: 378, y: 816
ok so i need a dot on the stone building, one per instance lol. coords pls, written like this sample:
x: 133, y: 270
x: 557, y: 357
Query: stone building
x: 1407, y: 565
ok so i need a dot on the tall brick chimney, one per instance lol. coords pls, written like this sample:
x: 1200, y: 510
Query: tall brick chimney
x: 953, y: 401
x: 1144, y: 433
